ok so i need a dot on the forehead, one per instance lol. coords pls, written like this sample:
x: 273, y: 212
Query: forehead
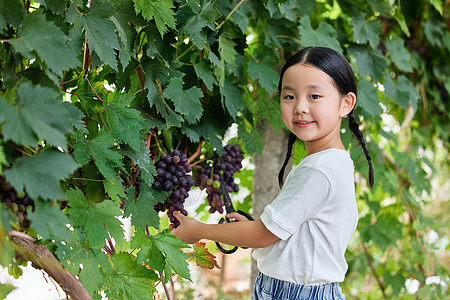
x: 301, y: 76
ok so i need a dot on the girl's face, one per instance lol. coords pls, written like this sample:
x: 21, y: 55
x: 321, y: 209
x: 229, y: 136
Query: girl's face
x: 312, y: 107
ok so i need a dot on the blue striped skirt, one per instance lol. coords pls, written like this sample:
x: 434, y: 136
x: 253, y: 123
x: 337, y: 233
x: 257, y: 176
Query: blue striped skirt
x: 268, y: 288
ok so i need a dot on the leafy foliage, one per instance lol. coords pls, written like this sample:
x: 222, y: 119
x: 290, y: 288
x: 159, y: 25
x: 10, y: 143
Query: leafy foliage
x: 91, y: 92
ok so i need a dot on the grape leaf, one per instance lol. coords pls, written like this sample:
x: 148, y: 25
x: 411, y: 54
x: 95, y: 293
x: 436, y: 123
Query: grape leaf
x: 170, y: 246
x: 73, y: 253
x: 99, y: 149
x: 187, y: 102
x: 403, y: 92
x: 370, y: 63
x: 5, y: 289
x: 49, y: 221
x: 160, y: 10
x: 400, y: 56
x: 129, y: 280
x: 97, y: 219
x: 124, y: 123
x: 196, y: 15
x: 204, y: 73
x: 100, y: 31
x: 252, y: 139
x: 149, y: 252
x: 33, y: 118
x: 264, y: 72
x: 146, y: 166
x: 3, y: 160
x: 231, y: 98
x: 12, y: 12
x: 324, y: 36
x: 366, y: 31
x: 115, y: 190
x: 368, y: 97
x: 203, y: 257
x: 48, y: 41
x: 141, y: 207
x: 40, y: 174
x: 226, y: 49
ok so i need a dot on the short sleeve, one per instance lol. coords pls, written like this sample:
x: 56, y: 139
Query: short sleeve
x: 304, y: 194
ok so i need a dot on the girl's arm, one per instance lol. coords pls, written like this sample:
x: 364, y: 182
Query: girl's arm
x: 251, y: 234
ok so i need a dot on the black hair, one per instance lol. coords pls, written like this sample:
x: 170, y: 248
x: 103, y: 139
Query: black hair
x: 338, y: 68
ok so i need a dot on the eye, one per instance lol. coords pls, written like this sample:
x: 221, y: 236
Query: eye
x: 314, y: 97
x: 289, y: 97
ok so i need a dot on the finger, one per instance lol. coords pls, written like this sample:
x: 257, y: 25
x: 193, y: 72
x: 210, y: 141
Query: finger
x: 234, y: 215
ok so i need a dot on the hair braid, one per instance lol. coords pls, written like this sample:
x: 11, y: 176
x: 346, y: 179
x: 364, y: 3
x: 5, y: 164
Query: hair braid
x: 354, y: 127
x: 291, y: 141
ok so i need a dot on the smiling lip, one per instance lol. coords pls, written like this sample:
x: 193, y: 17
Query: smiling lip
x: 303, y: 124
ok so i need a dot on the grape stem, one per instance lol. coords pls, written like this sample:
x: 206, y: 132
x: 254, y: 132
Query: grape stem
x: 164, y: 285
x: 20, y: 150
x: 197, y: 152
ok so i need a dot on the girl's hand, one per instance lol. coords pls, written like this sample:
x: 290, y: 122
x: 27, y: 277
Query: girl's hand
x: 237, y: 217
x: 188, y: 229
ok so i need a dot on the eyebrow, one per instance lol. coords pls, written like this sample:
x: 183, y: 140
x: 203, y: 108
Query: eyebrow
x: 312, y: 86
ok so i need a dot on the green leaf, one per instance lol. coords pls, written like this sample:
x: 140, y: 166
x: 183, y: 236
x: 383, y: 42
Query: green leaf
x: 72, y: 254
x: 35, y: 118
x: 5, y: 289
x: 141, y: 208
x: 204, y: 73
x: 160, y: 10
x: 3, y: 160
x: 437, y: 4
x: 100, y: 31
x: 400, y: 18
x: 12, y: 12
x: 370, y: 62
x: 264, y: 73
x: 251, y: 137
x: 129, y: 280
x: 203, y: 257
x: 368, y: 97
x: 125, y: 123
x: 366, y: 31
x: 187, y: 102
x: 98, y: 220
x: 143, y: 160
x: 49, y: 221
x: 48, y: 41
x: 40, y: 174
x: 154, y: 98
x: 170, y: 246
x: 99, y: 149
x: 195, y: 16
x: 226, y: 49
x: 231, y: 98
x: 433, y: 32
x: 115, y: 190
x: 400, y: 56
x: 324, y: 36
x: 403, y: 92
x: 149, y: 252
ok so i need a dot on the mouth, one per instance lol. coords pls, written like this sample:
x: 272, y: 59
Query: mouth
x: 303, y: 123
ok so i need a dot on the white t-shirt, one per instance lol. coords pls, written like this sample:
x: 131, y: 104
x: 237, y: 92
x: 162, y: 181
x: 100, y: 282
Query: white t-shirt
x: 314, y: 215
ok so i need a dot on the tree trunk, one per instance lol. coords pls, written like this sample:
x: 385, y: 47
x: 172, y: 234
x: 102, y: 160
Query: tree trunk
x: 267, y: 166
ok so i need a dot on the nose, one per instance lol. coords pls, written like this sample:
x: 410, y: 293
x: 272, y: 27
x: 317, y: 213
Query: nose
x: 301, y: 107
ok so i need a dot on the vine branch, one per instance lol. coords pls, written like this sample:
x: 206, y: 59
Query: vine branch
x: 374, y: 271
x: 41, y: 257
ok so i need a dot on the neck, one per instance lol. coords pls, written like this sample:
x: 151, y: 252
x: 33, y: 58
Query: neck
x: 332, y: 141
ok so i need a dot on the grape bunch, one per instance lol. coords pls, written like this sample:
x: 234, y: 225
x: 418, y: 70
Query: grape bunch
x: 173, y: 178
x: 211, y: 176
x: 17, y: 202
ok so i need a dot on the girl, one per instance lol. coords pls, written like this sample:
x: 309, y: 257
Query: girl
x: 303, y: 234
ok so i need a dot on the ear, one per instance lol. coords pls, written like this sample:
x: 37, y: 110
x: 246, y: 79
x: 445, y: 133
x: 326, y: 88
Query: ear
x: 347, y: 104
